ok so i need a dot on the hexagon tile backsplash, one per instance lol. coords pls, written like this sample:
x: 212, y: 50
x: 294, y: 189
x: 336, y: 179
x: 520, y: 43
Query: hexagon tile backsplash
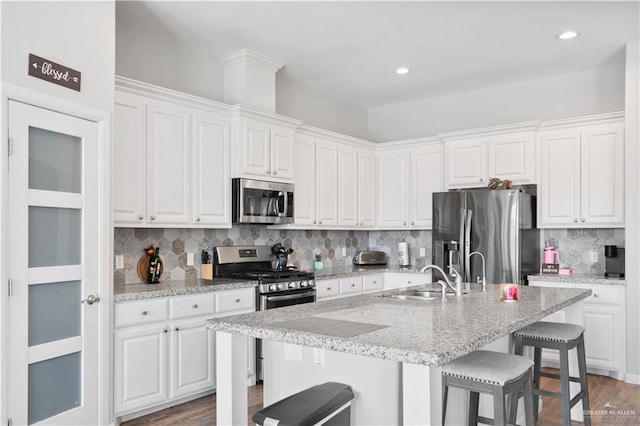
x: 574, y: 246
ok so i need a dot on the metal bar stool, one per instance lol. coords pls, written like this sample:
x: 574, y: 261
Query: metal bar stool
x: 496, y: 373
x: 561, y: 337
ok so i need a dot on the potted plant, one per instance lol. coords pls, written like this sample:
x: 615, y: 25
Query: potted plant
x: 318, y: 263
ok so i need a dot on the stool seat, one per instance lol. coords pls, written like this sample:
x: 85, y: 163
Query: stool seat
x: 551, y: 331
x: 488, y: 367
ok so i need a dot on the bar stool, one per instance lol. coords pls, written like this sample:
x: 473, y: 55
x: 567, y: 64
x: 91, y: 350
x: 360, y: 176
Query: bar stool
x: 561, y: 337
x: 496, y: 373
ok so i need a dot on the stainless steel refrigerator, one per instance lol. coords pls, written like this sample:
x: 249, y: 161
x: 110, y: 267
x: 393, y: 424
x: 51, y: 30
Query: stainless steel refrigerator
x: 500, y: 224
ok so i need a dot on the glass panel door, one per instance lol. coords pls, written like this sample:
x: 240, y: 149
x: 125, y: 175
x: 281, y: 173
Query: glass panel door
x: 53, y: 232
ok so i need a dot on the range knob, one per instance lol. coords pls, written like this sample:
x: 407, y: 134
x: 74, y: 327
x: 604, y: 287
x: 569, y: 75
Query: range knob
x: 272, y: 287
x: 280, y: 286
x: 292, y: 285
x: 304, y: 283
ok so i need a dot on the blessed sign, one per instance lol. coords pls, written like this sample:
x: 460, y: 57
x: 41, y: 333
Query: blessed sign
x: 55, y: 73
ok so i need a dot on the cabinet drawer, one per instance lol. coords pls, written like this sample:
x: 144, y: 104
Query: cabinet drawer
x: 191, y: 306
x: 603, y: 294
x: 235, y: 300
x: 372, y: 282
x: 327, y: 288
x: 351, y: 285
x: 140, y: 312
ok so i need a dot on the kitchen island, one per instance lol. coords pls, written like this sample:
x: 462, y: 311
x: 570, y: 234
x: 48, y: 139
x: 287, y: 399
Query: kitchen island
x: 388, y: 350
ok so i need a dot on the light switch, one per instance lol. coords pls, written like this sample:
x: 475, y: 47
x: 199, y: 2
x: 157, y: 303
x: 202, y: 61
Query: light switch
x: 423, y: 252
x: 344, y: 251
x: 189, y: 259
x: 292, y: 352
x: 119, y: 261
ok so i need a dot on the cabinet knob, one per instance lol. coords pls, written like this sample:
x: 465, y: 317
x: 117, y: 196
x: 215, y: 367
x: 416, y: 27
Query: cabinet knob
x: 408, y: 282
x: 353, y: 284
x: 177, y: 329
x: 404, y: 223
x: 195, y: 306
x: 328, y: 288
x: 237, y: 300
x: 582, y: 220
x: 413, y: 223
x: 140, y: 217
x: 275, y: 172
x: 595, y: 294
x: 145, y: 312
x: 165, y: 330
x: 375, y: 282
x: 575, y: 220
x: 152, y: 217
x: 481, y: 179
x: 319, y: 222
x: 268, y: 172
x: 314, y: 222
x: 198, y: 219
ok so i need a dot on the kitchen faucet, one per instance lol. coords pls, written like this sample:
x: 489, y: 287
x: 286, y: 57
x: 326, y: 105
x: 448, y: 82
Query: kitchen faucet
x: 484, y: 273
x: 457, y: 289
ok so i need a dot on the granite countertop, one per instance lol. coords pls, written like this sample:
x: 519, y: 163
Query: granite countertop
x: 578, y: 279
x: 429, y: 332
x: 176, y: 288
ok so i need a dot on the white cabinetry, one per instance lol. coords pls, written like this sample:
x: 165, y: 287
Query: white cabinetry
x: 163, y: 352
x: 603, y: 318
x: 473, y: 157
x: 407, y: 178
x: 582, y: 174
x: 263, y: 145
x: 327, y: 289
x: 356, y: 191
x: 334, y: 181
x: 349, y: 286
x: 395, y: 280
x: 171, y: 159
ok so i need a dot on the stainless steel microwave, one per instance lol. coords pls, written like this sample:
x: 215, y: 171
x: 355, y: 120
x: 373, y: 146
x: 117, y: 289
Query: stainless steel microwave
x: 258, y: 201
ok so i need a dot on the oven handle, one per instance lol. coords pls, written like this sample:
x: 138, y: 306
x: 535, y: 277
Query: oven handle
x: 290, y: 296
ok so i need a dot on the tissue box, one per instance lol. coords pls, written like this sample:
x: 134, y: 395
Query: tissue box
x: 565, y: 271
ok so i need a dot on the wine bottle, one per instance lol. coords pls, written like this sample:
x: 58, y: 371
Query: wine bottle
x: 154, y: 267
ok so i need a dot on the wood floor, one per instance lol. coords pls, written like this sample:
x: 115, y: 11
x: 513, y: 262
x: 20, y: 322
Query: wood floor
x: 612, y: 403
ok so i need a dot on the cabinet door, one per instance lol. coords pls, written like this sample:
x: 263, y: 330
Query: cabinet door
x: 140, y: 367
x: 211, y: 181
x: 192, y: 361
x: 326, y: 183
x: 393, y: 189
x: 256, y: 152
x: 466, y: 163
x: 512, y: 157
x: 427, y: 177
x: 129, y: 159
x: 348, y: 188
x: 351, y: 285
x: 372, y: 283
x: 281, y: 164
x: 366, y: 189
x: 602, y: 175
x: 600, y: 335
x: 327, y: 289
x: 304, y: 155
x: 168, y: 164
x: 559, y: 188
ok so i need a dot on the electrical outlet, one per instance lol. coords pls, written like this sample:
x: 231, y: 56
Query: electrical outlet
x: 119, y: 261
x: 344, y: 251
x: 292, y: 352
x: 594, y: 256
x: 423, y: 252
x: 318, y: 357
x: 189, y: 259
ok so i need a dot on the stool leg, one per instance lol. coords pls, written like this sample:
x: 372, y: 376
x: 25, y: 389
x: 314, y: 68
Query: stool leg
x: 528, y: 402
x: 445, y: 393
x: 474, y: 400
x: 564, y: 384
x: 513, y: 405
x: 499, y: 415
x: 537, y: 363
x: 582, y: 367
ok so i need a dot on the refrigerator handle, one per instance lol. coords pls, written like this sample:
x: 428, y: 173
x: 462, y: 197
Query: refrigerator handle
x: 463, y: 216
x: 467, y: 247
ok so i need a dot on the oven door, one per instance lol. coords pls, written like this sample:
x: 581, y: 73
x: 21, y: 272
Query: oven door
x: 287, y: 298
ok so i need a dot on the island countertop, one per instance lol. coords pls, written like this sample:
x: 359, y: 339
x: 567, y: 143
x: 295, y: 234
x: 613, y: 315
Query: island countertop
x: 430, y: 333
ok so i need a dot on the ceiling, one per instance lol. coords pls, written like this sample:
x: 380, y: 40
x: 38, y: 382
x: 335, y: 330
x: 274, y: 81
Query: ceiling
x: 348, y: 51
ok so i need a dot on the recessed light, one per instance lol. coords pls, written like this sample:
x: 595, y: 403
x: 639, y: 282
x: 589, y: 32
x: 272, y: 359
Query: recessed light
x: 402, y: 70
x: 567, y: 35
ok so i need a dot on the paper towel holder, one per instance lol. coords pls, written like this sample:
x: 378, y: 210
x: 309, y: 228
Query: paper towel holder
x: 403, y: 255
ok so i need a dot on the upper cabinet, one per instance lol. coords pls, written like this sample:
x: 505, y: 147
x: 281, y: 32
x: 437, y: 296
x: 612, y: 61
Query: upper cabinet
x: 171, y: 159
x: 475, y: 156
x: 582, y: 173
x: 408, y: 175
x: 334, y: 181
x: 263, y: 145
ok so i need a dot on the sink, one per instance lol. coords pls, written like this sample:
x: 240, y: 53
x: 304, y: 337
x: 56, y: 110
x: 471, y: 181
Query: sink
x: 420, y: 295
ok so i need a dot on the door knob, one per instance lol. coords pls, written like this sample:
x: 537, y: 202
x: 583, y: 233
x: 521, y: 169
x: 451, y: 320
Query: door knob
x: 91, y: 299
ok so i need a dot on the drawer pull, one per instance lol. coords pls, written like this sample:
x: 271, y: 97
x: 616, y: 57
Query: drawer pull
x: 375, y: 282
x: 328, y: 288
x: 145, y: 312
x: 237, y: 300
x: 177, y: 329
x: 195, y: 306
x: 165, y: 330
x: 595, y: 294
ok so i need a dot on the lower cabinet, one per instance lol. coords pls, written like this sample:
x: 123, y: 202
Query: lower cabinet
x: 163, y: 352
x: 603, y: 318
x: 349, y: 286
x: 396, y: 280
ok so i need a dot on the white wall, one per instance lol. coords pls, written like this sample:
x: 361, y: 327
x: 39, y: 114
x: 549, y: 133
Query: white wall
x: 318, y: 111
x: 632, y: 209
x: 584, y: 93
x: 79, y: 35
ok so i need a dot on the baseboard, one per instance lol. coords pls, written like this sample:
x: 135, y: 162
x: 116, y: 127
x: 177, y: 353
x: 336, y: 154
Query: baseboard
x: 632, y: 378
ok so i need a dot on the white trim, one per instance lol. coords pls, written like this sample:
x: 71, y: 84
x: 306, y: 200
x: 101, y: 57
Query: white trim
x: 65, y: 200
x: 526, y: 126
x: 243, y: 111
x: 55, y: 349
x: 583, y: 120
x: 633, y: 378
x: 54, y: 274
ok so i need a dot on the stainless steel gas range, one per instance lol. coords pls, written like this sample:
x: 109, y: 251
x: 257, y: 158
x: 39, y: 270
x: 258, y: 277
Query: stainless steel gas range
x: 276, y: 288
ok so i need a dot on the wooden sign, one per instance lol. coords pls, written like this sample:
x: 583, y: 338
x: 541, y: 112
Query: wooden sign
x: 45, y: 69
x: 550, y: 268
